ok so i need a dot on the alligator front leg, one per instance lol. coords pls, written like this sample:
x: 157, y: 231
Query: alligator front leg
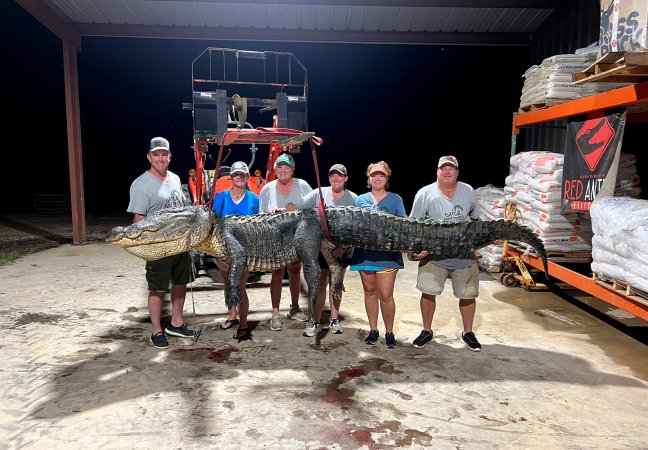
x: 237, y: 257
x: 308, y: 237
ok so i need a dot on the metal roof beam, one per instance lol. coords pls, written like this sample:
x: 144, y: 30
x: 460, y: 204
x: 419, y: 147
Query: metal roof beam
x: 330, y: 36
x: 540, y: 4
x: 44, y: 14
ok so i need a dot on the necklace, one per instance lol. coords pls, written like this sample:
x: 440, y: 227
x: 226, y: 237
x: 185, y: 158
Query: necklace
x: 336, y: 195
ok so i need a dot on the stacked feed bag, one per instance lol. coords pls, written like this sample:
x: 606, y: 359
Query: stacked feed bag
x: 620, y: 226
x: 627, y: 181
x: 551, y: 81
x: 490, y: 202
x: 490, y: 206
x: 623, y: 26
x: 534, y: 185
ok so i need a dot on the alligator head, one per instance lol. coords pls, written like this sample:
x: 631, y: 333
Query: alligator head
x: 167, y: 232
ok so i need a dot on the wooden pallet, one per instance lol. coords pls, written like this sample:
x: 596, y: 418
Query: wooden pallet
x: 615, y: 67
x: 492, y: 269
x: 573, y: 257
x: 542, y: 105
x: 623, y: 288
x: 581, y: 256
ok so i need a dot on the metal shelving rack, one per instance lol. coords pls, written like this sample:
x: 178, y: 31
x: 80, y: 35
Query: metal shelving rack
x: 626, y: 96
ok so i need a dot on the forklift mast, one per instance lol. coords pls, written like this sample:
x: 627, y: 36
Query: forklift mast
x: 231, y: 88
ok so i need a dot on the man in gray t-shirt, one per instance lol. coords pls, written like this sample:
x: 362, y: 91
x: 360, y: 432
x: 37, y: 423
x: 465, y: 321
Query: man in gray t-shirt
x: 446, y: 201
x: 155, y: 189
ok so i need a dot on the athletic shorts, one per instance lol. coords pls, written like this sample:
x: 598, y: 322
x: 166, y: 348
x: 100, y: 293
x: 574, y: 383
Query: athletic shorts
x: 465, y: 282
x: 176, y: 269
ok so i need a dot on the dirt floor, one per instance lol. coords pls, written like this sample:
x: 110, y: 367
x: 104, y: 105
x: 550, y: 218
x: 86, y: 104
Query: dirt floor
x: 31, y: 233
x: 78, y: 370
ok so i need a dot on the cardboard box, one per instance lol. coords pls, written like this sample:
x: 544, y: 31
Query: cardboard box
x: 623, y: 26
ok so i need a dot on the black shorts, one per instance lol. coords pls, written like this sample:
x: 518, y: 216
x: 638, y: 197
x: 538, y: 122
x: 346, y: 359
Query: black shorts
x: 177, y: 269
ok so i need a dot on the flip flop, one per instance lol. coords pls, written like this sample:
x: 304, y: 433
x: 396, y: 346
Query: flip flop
x: 242, y: 333
x: 229, y: 323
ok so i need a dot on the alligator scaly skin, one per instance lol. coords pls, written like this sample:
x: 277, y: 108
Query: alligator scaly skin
x: 265, y: 242
x: 269, y: 241
x: 381, y: 231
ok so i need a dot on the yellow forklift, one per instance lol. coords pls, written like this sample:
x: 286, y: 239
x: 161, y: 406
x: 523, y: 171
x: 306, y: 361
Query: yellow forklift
x: 514, y: 270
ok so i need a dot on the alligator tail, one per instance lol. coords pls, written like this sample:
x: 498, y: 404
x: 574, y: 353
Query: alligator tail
x: 381, y: 231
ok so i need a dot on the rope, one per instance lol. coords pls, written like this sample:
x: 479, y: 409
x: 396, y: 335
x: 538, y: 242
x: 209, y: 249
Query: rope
x: 194, y: 321
x: 212, y: 194
x: 320, y: 206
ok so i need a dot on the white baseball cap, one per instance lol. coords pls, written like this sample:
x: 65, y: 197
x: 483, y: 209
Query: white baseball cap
x: 159, y: 143
x: 448, y: 160
x: 239, y: 167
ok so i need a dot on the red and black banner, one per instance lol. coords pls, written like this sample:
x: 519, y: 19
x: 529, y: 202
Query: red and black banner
x: 592, y: 146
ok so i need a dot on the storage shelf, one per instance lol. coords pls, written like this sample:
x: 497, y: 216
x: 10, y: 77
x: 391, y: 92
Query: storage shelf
x: 629, y: 95
x: 626, y: 96
x: 586, y: 284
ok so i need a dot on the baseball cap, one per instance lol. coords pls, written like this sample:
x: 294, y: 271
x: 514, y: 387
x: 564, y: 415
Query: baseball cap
x: 338, y: 168
x: 448, y: 160
x: 239, y: 167
x: 159, y: 143
x: 285, y: 159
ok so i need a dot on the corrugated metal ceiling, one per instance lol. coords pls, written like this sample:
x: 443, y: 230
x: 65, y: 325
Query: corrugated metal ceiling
x: 503, y: 22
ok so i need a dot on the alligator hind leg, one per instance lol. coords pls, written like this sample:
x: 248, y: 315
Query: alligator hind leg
x: 336, y: 277
x: 307, y: 245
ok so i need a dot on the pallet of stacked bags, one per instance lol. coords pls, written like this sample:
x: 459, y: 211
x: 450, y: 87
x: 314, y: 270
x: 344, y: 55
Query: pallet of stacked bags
x: 534, y: 186
x: 490, y: 206
x: 620, y: 226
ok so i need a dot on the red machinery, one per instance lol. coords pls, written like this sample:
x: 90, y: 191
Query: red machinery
x: 221, y: 119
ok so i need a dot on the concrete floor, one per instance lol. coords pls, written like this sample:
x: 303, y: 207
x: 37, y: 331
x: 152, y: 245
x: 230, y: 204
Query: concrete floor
x: 79, y: 372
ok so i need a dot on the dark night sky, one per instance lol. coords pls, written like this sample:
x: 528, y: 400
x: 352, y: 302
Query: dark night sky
x: 407, y: 105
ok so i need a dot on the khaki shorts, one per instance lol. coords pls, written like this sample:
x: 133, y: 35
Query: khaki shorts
x: 177, y: 269
x: 465, y: 282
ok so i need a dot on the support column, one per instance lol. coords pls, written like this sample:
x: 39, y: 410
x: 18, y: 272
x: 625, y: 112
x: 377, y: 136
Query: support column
x: 73, y: 115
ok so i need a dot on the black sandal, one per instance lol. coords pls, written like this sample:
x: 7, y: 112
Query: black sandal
x: 229, y: 324
x: 242, y: 334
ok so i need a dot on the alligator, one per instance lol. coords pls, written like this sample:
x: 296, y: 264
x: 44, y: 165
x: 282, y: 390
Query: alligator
x: 266, y: 242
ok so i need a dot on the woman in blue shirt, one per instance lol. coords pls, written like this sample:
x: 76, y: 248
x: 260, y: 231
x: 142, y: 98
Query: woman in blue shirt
x: 378, y: 269
x: 237, y: 201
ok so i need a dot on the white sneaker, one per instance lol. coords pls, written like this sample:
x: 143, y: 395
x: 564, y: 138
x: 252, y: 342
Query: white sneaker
x: 312, y: 329
x: 335, y: 326
x: 296, y: 313
x: 275, y: 322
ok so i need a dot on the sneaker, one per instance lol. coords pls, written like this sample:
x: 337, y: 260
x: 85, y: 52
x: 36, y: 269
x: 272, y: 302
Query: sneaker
x: 372, y: 337
x: 390, y: 340
x: 422, y: 339
x: 312, y: 329
x: 181, y: 331
x: 471, y: 341
x: 335, y: 326
x: 159, y: 340
x: 296, y: 313
x: 275, y: 322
